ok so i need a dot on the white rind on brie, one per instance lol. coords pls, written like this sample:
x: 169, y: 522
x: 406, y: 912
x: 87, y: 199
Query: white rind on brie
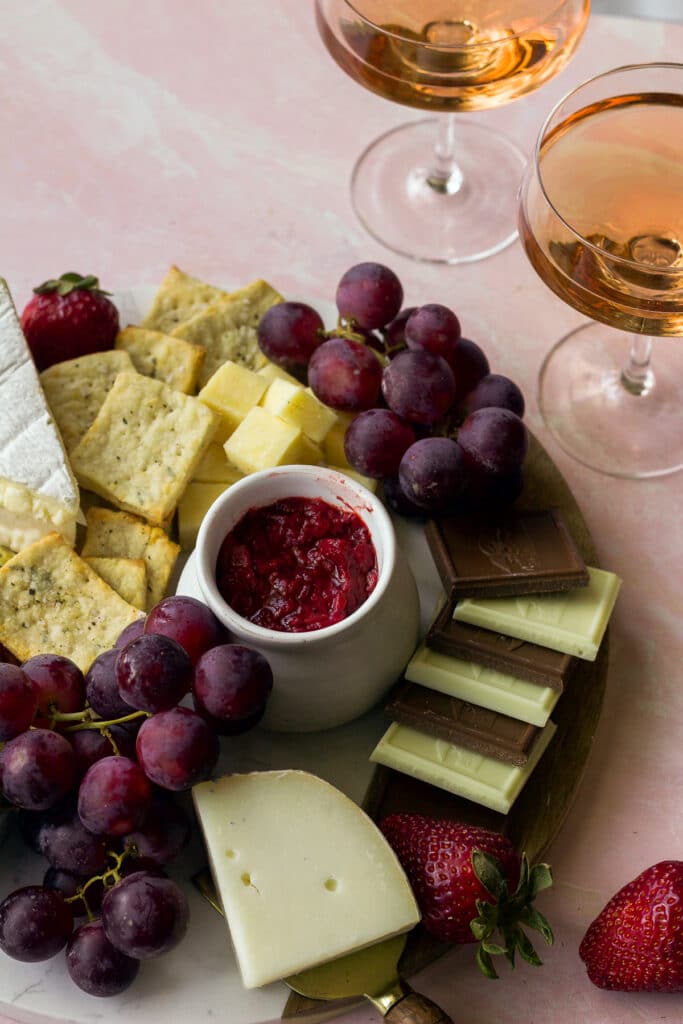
x: 38, y: 491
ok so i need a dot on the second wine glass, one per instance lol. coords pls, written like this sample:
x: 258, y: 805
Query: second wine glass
x: 443, y: 189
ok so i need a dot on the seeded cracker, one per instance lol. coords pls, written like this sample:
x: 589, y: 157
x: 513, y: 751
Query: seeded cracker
x: 171, y: 360
x: 76, y: 389
x: 144, y: 446
x: 52, y: 601
x: 179, y: 298
x: 127, y: 576
x: 119, y: 535
x: 227, y: 329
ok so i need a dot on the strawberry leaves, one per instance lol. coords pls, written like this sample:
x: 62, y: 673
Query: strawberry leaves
x: 68, y: 283
x: 508, y: 913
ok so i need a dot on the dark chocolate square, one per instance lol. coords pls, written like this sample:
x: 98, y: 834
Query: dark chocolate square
x: 456, y: 721
x: 503, y: 653
x: 521, y: 553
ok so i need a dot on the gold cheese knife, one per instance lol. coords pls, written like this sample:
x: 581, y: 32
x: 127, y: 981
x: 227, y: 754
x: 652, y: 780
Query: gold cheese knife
x: 371, y: 973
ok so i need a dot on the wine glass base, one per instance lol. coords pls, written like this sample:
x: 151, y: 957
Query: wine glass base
x: 469, y: 217
x: 597, y: 420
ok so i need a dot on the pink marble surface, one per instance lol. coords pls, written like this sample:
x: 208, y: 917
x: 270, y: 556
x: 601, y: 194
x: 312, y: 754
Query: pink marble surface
x: 220, y: 136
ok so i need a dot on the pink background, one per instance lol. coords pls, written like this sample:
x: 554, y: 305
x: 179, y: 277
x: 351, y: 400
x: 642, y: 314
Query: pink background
x: 221, y: 136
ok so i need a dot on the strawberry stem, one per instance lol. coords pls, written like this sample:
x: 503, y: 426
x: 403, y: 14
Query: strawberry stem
x: 70, y: 282
x: 508, y: 912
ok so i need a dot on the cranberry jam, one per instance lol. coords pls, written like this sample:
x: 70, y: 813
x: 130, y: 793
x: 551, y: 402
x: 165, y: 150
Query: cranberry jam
x: 297, y: 565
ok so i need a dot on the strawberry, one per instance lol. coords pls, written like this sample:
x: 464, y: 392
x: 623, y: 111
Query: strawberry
x: 635, y: 944
x: 468, y: 883
x: 67, y: 318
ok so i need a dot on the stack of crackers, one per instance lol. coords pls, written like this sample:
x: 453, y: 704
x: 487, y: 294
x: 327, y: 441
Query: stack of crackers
x: 135, y: 433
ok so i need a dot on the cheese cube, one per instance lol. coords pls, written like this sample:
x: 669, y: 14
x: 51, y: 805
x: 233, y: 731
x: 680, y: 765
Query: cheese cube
x: 333, y: 444
x: 296, y: 405
x: 215, y: 468
x: 262, y: 441
x: 271, y: 371
x: 194, y: 504
x: 288, y: 850
x: 232, y: 391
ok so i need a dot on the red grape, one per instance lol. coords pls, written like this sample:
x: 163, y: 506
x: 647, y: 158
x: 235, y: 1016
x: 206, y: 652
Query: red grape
x: 131, y: 632
x: 95, y: 965
x: 153, y: 673
x: 35, y: 923
x: 395, y: 332
x: 58, y: 683
x: 398, y: 501
x: 375, y: 442
x: 18, y: 701
x: 177, y: 748
x: 189, y: 622
x: 345, y: 375
x: 289, y: 333
x: 432, y: 473
x: 68, y: 846
x: 469, y: 365
x: 487, y: 494
x: 433, y: 328
x: 163, y: 835
x: 494, y: 390
x: 39, y: 768
x: 231, y: 685
x: 114, y: 797
x: 418, y: 386
x: 145, y: 915
x: 495, y: 441
x: 102, y: 690
x: 370, y: 295
x: 68, y: 885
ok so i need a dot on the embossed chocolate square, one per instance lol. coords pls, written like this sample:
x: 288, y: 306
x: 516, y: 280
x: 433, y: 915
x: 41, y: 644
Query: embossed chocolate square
x: 456, y: 721
x: 522, y: 553
x: 527, y: 661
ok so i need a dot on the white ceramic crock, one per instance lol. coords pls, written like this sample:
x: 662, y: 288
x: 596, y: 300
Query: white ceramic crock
x: 329, y: 676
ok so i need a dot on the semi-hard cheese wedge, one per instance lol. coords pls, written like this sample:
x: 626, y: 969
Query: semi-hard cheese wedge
x: 302, y: 872
x: 38, y: 492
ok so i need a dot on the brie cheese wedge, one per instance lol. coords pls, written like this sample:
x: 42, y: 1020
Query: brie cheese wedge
x: 38, y: 491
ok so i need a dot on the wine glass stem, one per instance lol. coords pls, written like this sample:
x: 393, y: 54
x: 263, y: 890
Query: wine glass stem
x: 445, y: 176
x: 638, y: 377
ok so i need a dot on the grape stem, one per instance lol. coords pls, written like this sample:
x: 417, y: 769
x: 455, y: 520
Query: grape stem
x: 108, y: 878
x: 345, y: 329
x: 96, y: 723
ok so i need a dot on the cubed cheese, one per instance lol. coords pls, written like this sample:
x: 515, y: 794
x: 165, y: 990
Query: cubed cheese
x: 271, y: 371
x: 333, y: 445
x: 262, y: 441
x: 299, y: 406
x: 194, y: 504
x: 232, y: 391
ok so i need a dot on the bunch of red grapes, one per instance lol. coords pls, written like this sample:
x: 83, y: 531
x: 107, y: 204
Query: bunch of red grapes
x: 443, y: 433
x: 92, y: 761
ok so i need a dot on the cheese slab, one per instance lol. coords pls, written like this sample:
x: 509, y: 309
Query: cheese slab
x: 38, y: 491
x: 483, y: 686
x: 303, y: 873
x: 573, y: 622
x: 484, y: 780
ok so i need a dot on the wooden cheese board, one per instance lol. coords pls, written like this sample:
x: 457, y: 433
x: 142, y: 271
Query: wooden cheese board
x: 200, y: 978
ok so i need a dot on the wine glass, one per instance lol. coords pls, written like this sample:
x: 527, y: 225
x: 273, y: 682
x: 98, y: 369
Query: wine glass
x: 443, y: 189
x: 601, y: 219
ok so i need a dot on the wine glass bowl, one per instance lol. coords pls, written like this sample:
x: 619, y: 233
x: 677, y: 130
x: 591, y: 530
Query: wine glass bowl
x: 601, y: 219
x: 454, y: 201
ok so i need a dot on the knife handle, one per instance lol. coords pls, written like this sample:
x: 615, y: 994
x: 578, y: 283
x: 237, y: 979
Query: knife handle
x: 416, y: 1009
